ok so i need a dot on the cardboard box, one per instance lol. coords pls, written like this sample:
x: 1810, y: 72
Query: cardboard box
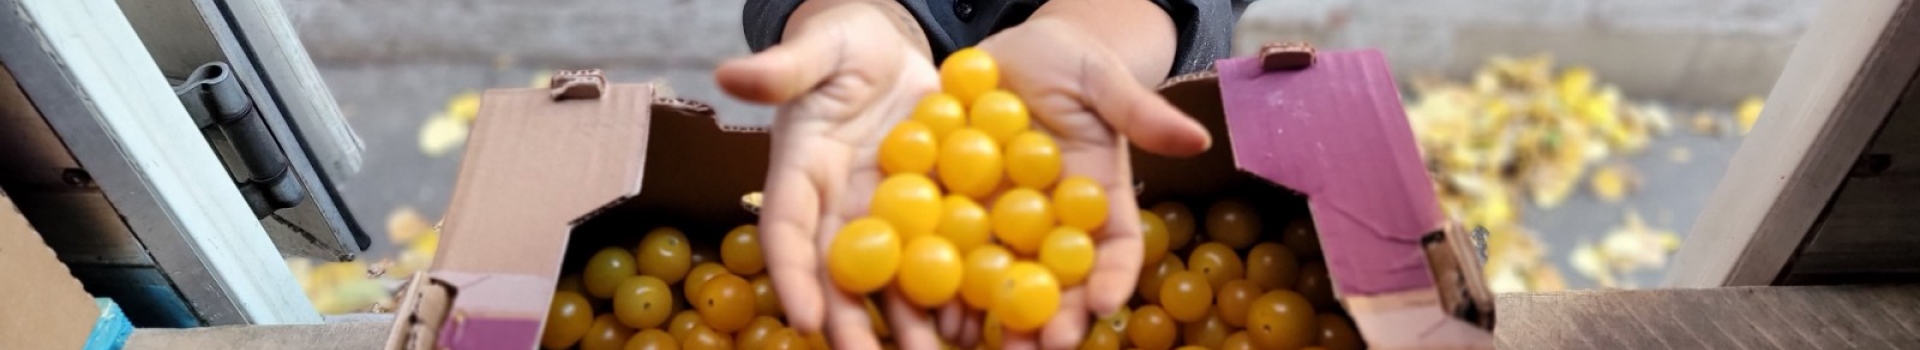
x: 1336, y: 134
x: 44, y: 307
x: 547, y: 180
x: 544, y: 168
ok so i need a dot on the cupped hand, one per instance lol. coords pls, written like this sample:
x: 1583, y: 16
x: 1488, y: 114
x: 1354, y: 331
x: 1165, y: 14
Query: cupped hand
x: 840, y: 79
x: 1093, y: 104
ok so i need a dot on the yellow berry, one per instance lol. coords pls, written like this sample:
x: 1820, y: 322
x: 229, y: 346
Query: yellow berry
x: 1068, y: 252
x: 941, y: 113
x: 1179, y: 221
x: 1233, y: 299
x: 909, y: 148
x: 706, y: 338
x: 643, y: 302
x: 1233, y: 222
x: 757, y: 332
x: 1271, y: 266
x: 1237, y: 341
x: 699, y: 277
x: 986, y: 266
x: 664, y: 253
x: 1186, y: 296
x: 1033, y: 160
x: 1336, y: 333
x: 1208, y: 333
x: 1152, y: 329
x: 1000, y: 114
x: 909, y: 202
x: 605, y: 270
x: 1153, y: 237
x: 652, y: 339
x: 970, y: 163
x: 1153, y: 276
x: 1029, y: 297
x: 1281, y: 319
x: 740, y: 251
x: 783, y: 339
x: 1021, y: 219
x: 766, y: 301
x: 1219, y: 263
x: 726, y: 303
x: 606, y: 333
x: 969, y: 72
x: 864, y: 255
x: 1081, y: 203
x: 930, y: 271
x: 683, y: 323
x: 568, y: 318
x: 964, y: 223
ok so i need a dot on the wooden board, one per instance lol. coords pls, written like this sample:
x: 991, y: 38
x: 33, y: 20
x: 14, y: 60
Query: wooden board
x: 356, y: 335
x: 103, y: 94
x: 1827, y: 317
x: 1838, y: 87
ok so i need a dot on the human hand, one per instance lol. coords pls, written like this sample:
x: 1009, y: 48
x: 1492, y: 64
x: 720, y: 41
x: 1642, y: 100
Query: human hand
x: 844, y: 75
x: 1093, y: 104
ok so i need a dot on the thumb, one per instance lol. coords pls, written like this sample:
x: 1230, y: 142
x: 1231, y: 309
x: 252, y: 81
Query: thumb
x: 783, y: 71
x: 1146, y: 118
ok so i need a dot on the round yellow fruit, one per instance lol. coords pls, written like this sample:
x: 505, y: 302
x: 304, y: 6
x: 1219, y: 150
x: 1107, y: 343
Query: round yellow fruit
x: 864, y: 255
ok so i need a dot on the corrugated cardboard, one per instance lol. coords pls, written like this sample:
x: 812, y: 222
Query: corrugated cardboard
x: 540, y: 173
x: 41, y: 305
x: 1337, y: 134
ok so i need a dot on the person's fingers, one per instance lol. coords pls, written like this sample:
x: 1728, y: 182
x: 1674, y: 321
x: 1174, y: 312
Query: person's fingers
x: 1117, y: 260
x: 783, y: 71
x: 1069, y: 325
x: 787, y: 226
x: 847, y: 322
x: 1011, y: 340
x: 970, y: 329
x: 1142, y: 115
x: 949, y: 318
x: 912, y: 326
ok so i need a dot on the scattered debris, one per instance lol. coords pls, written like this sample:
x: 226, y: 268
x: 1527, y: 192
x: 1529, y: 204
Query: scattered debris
x: 1612, y: 183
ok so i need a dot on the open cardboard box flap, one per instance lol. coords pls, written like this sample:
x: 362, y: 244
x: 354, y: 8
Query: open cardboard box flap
x: 540, y: 163
x: 1336, y: 133
x: 45, y: 307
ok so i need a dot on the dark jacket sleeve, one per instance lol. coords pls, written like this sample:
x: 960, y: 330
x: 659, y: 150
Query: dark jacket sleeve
x: 765, y: 20
x: 1204, y: 29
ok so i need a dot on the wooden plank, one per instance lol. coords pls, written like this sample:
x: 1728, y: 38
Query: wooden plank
x: 1827, y: 317
x: 357, y: 335
x: 1838, y: 87
x: 87, y: 72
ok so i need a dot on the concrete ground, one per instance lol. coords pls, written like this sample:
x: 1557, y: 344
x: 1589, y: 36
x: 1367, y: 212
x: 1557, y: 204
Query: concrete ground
x: 392, y: 64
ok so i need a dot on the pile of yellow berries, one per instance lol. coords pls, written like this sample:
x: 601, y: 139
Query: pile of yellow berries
x: 1235, y: 289
x: 929, y: 236
x: 666, y: 293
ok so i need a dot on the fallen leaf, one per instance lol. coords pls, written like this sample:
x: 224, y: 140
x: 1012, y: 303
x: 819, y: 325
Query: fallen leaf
x: 1748, y: 113
x: 441, y: 134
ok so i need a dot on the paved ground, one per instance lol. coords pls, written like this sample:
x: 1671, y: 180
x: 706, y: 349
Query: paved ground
x: 393, y: 63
